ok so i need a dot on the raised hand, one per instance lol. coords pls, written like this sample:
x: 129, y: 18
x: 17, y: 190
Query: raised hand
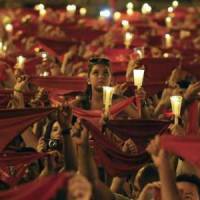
x: 129, y: 147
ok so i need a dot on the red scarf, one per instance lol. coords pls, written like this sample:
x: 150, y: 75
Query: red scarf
x: 44, y: 188
x: 17, y: 162
x: 187, y: 147
x: 116, y: 162
x: 13, y: 122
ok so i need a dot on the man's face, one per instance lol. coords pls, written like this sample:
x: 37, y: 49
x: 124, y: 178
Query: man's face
x: 188, y: 191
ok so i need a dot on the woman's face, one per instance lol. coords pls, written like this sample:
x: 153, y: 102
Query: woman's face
x: 99, y: 76
x: 56, y: 131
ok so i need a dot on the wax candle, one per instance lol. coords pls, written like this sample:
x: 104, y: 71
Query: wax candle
x: 107, y: 98
x: 138, y: 76
x: 176, y: 102
x: 168, y: 40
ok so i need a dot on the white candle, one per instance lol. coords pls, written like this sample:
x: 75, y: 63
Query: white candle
x: 138, y: 75
x: 125, y: 24
x: 1, y: 48
x: 129, y: 11
x: 39, y: 7
x: 1, y: 45
x: 170, y: 9
x: 175, y: 4
x: 176, y: 102
x: 107, y: 97
x: 9, y: 28
x: 42, y: 12
x: 71, y: 9
x: 128, y: 39
x: 146, y: 9
x: 165, y: 55
x: 168, y: 40
x: 46, y: 74
x: 184, y: 34
x: 129, y: 5
x: 20, y: 61
x: 106, y: 13
x: 83, y: 11
x: 116, y: 16
x: 168, y: 22
x: 44, y: 56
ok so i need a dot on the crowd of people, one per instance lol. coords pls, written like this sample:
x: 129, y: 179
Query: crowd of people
x: 58, y: 141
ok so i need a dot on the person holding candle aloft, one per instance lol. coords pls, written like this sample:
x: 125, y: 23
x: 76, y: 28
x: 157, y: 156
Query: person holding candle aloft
x: 99, y: 75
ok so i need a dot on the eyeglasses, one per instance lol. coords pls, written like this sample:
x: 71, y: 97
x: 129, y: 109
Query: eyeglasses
x: 99, y: 61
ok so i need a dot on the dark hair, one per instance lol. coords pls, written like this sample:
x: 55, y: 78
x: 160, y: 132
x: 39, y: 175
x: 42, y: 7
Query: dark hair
x: 4, y: 186
x: 47, y: 134
x: 193, y: 179
x: 85, y: 98
x: 149, y: 174
x: 184, y: 84
x: 96, y: 61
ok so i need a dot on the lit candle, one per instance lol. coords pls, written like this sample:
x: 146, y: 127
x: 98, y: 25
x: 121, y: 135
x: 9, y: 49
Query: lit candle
x: 138, y: 75
x: 168, y: 22
x: 9, y: 28
x: 42, y: 12
x: 165, y: 55
x: 1, y: 48
x: 107, y: 98
x: 129, y: 5
x: 170, y: 9
x: 116, y: 16
x: 83, y: 11
x: 44, y: 74
x: 129, y: 12
x: 1, y: 45
x: 125, y: 24
x: 175, y: 4
x: 168, y: 40
x: 176, y: 102
x: 20, y: 61
x: 106, y: 13
x: 128, y: 39
x: 184, y: 34
x: 39, y: 7
x: 44, y: 56
x: 71, y: 9
x: 146, y: 9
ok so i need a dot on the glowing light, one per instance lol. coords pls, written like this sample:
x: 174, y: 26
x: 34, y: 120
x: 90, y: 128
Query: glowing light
x: 146, y: 9
x: 175, y: 4
x: 125, y: 24
x: 105, y: 13
x: 116, y: 16
x: 9, y: 28
x: 71, y: 8
x: 83, y: 11
x: 138, y: 75
x: 129, y: 5
x: 39, y: 7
